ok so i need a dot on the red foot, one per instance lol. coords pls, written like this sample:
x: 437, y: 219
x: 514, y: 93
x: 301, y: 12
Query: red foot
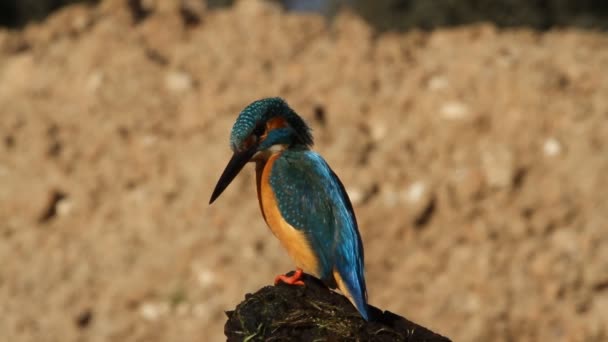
x: 293, y: 280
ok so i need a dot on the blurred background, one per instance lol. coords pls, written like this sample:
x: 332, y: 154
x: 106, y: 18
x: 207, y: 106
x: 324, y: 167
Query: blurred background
x: 471, y: 137
x: 386, y: 15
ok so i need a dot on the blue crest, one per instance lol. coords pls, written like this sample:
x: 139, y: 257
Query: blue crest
x: 259, y: 112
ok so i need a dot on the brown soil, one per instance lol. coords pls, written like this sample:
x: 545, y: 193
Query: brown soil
x: 315, y: 313
x: 476, y: 159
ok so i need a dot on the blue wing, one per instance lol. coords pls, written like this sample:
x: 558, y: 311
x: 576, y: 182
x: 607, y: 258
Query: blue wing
x: 312, y: 199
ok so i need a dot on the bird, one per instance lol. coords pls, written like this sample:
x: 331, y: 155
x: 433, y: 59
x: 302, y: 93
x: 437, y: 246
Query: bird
x: 301, y: 199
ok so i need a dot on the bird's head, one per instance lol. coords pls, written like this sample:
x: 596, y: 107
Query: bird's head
x: 264, y: 127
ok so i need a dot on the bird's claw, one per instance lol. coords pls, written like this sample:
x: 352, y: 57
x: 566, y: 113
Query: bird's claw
x: 291, y: 280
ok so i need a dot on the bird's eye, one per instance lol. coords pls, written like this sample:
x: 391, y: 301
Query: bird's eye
x: 259, y: 130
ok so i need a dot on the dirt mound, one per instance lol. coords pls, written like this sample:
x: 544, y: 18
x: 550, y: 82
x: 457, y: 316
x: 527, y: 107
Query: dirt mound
x: 315, y: 313
x: 475, y: 158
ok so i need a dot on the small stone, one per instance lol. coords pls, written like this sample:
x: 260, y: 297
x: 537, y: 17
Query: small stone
x: 420, y: 201
x: 497, y: 164
x: 64, y: 206
x: 178, y: 81
x: 355, y: 195
x: 205, y: 277
x: 153, y: 311
x: 50, y: 211
x: 415, y: 192
x: 94, y: 81
x: 378, y: 131
x: 438, y: 83
x: 454, y: 111
x: 552, y: 147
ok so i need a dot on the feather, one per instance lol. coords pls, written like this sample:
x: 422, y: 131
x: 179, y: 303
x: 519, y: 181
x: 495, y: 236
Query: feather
x: 312, y: 199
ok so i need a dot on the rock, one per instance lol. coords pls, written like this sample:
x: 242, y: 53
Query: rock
x: 438, y: 83
x: 178, y: 81
x: 153, y: 311
x: 94, y: 81
x: 455, y: 111
x: 356, y: 195
x: 416, y: 192
x: 552, y: 147
x: 421, y: 202
x: 378, y: 131
x: 313, y: 312
x: 497, y: 165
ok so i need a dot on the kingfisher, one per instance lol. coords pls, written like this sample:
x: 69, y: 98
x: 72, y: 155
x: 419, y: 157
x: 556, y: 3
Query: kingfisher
x: 301, y: 199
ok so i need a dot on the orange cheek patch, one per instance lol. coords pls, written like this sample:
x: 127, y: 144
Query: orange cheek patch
x: 273, y: 123
x: 276, y: 122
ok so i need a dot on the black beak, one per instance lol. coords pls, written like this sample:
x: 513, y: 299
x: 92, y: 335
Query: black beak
x: 235, y: 165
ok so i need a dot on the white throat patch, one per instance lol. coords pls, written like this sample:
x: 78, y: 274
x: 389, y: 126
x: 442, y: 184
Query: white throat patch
x: 263, y: 155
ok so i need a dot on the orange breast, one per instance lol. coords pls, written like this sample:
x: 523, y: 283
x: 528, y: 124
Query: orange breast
x: 293, y: 240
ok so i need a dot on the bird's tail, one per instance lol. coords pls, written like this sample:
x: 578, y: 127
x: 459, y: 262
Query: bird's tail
x: 354, y: 289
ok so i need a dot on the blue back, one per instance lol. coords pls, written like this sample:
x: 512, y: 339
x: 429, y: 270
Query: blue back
x: 312, y: 199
